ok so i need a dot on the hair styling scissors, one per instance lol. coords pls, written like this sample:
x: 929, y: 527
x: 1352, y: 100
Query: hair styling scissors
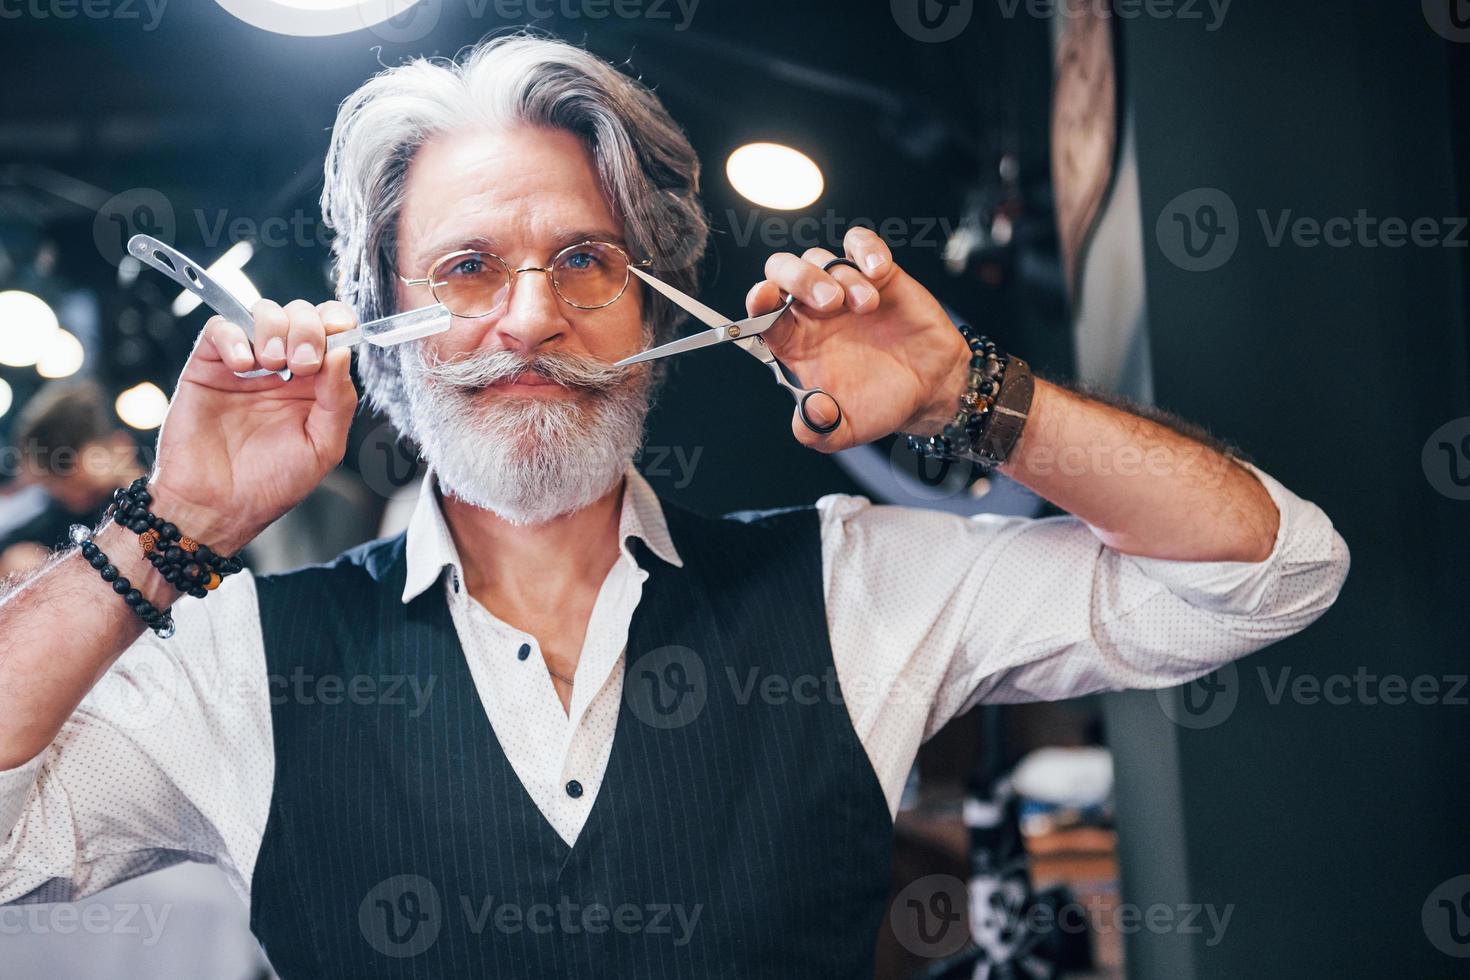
x: 745, y: 334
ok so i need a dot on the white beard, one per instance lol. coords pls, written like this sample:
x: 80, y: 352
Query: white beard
x: 527, y: 459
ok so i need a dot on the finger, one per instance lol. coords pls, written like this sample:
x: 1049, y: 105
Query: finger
x: 306, y: 339
x: 224, y: 341
x: 336, y: 317
x: 861, y: 296
x: 763, y: 297
x: 868, y: 249
x: 334, y: 406
x: 271, y: 324
x: 811, y: 286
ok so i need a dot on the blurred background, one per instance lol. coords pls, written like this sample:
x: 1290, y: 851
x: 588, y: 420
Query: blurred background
x: 1247, y: 213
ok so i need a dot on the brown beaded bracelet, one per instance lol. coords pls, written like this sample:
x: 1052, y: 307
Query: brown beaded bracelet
x: 189, y: 566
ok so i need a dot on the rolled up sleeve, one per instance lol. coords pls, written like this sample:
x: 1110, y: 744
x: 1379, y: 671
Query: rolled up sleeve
x: 1003, y: 610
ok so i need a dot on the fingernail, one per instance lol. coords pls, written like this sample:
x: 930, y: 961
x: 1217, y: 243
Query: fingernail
x: 275, y: 347
x: 306, y: 354
x: 872, y: 261
x: 241, y: 351
x: 824, y: 293
x: 861, y: 295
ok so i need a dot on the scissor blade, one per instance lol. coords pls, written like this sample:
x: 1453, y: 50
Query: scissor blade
x: 704, y: 338
x: 683, y: 300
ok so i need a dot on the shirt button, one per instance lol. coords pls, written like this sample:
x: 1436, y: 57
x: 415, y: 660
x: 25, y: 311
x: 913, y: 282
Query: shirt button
x: 524, y: 651
x: 574, y: 789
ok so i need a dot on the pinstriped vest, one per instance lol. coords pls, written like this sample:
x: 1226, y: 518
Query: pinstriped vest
x: 740, y: 830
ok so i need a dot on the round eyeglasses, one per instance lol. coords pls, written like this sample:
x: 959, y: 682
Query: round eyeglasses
x: 588, y: 276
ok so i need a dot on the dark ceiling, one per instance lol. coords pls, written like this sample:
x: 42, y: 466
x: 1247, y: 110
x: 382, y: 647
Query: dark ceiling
x: 220, y: 128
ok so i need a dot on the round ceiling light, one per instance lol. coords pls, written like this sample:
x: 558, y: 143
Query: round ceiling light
x: 319, y: 18
x: 774, y: 176
x: 27, y: 326
x: 142, y: 406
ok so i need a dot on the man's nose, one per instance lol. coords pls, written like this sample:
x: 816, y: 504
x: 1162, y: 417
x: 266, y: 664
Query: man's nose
x: 534, y: 314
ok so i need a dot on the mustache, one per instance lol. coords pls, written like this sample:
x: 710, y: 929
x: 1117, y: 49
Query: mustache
x: 477, y: 369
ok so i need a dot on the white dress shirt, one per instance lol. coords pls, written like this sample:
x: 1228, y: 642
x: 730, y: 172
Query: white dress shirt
x: 170, y: 758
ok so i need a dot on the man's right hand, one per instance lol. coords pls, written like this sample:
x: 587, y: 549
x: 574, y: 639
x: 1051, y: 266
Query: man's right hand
x: 234, y: 453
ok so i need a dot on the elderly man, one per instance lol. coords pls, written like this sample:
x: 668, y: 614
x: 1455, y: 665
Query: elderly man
x: 560, y: 728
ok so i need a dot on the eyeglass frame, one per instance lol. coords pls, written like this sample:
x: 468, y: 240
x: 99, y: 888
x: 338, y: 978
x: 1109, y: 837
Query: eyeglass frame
x: 512, y: 273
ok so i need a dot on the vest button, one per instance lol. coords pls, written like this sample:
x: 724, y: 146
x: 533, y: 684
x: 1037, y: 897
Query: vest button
x: 524, y: 651
x: 574, y: 789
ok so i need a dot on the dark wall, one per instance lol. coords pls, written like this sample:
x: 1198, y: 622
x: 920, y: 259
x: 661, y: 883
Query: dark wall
x: 1324, y: 827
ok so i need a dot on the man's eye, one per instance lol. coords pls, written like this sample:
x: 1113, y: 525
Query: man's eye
x: 467, y: 267
x: 581, y: 261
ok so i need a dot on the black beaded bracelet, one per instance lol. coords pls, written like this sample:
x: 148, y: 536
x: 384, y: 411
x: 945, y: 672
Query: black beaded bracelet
x: 160, y: 622
x: 189, y: 566
x: 999, y: 386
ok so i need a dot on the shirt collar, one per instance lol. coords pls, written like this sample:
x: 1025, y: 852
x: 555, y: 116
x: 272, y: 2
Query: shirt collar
x: 429, y: 547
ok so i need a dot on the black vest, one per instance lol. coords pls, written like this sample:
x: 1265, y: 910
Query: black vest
x: 740, y: 830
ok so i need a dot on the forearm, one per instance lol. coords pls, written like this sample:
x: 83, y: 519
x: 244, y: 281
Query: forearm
x: 60, y: 629
x: 1144, y: 488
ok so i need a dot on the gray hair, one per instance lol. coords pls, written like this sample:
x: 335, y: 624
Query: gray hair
x: 648, y: 171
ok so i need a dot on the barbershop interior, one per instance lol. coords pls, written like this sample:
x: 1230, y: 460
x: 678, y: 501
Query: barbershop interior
x: 1249, y: 215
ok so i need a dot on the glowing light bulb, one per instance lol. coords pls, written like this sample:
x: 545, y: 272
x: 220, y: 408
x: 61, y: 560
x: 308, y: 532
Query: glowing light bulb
x: 774, y: 176
x: 142, y: 406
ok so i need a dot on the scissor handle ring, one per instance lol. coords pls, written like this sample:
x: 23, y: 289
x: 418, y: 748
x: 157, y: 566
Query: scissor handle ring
x: 806, y: 418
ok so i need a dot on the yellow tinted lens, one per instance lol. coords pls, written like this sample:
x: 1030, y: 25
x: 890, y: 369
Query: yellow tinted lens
x: 590, y: 275
x: 470, y: 283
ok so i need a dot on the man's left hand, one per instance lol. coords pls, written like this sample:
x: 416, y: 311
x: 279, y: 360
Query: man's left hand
x: 876, y: 341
